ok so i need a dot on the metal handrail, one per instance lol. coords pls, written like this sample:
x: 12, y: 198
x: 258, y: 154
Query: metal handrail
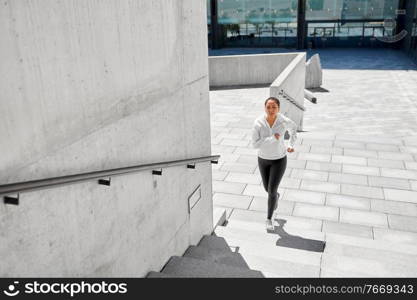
x: 291, y: 100
x: 33, y: 185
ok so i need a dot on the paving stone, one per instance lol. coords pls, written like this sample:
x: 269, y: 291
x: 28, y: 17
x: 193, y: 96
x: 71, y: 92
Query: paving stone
x: 219, y: 149
x: 261, y: 204
x: 394, y: 207
x: 408, y: 149
x: 360, y: 153
x: 217, y: 166
x: 265, y: 245
x: 350, y: 160
x: 310, y: 174
x: 243, y: 178
x: 287, y: 182
x: 395, y: 156
x: 347, y: 229
x: 382, y: 147
x: 369, y: 139
x: 410, y: 165
x: 296, y: 164
x: 242, y: 150
x: 232, y: 200
x: 348, y: 178
x: 326, y: 150
x: 254, y: 190
x: 353, y: 216
x: 324, y: 143
x: 320, y: 186
x: 386, y: 247
x: 404, y: 223
x: 228, y: 157
x: 234, y: 142
x: 348, y: 201
x: 338, y: 265
x: 362, y: 191
x: 228, y: 187
x: 316, y: 211
x: 302, y: 148
x: 247, y: 159
x: 318, y: 135
x: 229, y: 210
x: 396, y: 236
x: 413, y: 184
x: 349, y: 145
x: 234, y: 136
x: 240, y: 131
x: 388, y: 182
x: 400, y: 195
x: 322, y: 166
x: 360, y: 170
x: 291, y: 221
x: 384, y: 263
x: 304, y: 196
x: 216, y: 140
x: 238, y: 167
x: 314, y: 157
x: 385, y: 163
x: 219, y: 175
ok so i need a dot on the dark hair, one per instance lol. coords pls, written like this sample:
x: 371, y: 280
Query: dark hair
x: 273, y: 99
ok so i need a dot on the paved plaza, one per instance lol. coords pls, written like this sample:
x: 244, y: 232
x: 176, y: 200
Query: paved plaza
x: 352, y: 181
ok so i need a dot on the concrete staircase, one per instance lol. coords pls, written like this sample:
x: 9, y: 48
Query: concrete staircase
x: 294, y: 250
x: 212, y: 258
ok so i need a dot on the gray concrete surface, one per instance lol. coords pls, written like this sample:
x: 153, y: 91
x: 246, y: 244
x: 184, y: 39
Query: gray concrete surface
x: 91, y: 85
x: 353, y: 173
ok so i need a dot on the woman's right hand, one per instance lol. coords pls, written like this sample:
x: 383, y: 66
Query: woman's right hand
x: 277, y: 136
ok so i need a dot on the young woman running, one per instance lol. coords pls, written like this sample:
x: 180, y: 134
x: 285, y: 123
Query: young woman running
x: 268, y: 136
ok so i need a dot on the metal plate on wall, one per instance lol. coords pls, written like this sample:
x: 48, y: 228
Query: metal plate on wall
x: 194, y: 198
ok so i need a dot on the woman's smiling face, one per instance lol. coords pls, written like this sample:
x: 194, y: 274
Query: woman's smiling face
x: 271, y: 108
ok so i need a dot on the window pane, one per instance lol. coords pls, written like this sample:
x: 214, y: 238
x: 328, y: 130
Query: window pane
x: 350, y: 9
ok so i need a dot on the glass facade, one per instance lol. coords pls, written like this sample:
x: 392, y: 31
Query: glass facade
x: 328, y: 23
x: 347, y: 23
x: 258, y: 22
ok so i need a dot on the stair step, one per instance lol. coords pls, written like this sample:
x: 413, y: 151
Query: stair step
x: 153, y: 274
x: 266, y: 245
x: 339, y: 265
x: 380, y: 245
x: 272, y: 267
x: 216, y: 256
x: 286, y: 221
x: 260, y: 228
x: 214, y: 242
x: 197, y: 268
x: 219, y: 216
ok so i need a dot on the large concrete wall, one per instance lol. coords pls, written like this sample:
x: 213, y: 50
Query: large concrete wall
x: 90, y: 85
x: 235, y: 70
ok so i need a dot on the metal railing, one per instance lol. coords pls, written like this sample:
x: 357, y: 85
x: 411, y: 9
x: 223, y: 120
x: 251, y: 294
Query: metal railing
x: 11, y: 191
x: 290, y: 99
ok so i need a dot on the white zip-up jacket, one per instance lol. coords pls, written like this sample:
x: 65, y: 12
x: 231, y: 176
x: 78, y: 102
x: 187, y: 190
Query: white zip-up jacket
x: 263, y: 136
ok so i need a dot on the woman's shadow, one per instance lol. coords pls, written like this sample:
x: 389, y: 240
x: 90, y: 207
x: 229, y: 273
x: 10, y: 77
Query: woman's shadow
x: 295, y: 242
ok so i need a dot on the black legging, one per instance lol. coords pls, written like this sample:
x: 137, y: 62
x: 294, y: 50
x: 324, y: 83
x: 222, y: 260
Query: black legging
x: 271, y: 173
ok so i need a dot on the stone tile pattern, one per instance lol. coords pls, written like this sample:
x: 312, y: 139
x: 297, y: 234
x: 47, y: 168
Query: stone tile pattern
x: 355, y: 165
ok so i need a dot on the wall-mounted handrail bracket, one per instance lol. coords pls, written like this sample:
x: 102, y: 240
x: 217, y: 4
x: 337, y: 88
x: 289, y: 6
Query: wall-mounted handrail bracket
x: 191, y: 166
x: 157, y: 172
x: 105, y: 181
x: 12, y: 200
x: 214, y: 161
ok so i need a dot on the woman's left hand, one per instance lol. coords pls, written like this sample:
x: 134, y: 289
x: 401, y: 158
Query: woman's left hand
x: 289, y: 149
